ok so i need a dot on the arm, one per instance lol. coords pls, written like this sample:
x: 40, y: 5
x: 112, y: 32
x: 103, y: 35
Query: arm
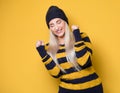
x: 82, y: 48
x: 53, y: 69
x: 87, y: 41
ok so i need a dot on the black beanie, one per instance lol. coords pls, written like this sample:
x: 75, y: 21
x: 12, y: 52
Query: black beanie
x: 55, y: 12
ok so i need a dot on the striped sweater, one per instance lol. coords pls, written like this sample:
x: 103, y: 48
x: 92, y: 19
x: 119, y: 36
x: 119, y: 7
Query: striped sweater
x: 73, y: 79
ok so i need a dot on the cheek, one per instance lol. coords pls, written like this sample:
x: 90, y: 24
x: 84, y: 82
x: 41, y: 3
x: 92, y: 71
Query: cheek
x: 51, y: 29
x: 63, y: 25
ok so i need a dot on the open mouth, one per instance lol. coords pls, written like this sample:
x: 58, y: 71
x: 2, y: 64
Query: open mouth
x: 59, y: 31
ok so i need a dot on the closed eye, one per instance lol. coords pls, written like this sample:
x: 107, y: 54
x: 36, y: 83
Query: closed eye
x: 58, y: 21
x: 51, y: 25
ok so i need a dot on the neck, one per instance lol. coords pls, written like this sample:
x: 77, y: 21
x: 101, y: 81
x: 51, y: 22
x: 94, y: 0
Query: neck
x: 61, y: 41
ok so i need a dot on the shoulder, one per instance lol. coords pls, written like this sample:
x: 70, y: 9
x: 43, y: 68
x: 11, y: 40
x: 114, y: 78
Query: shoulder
x: 46, y: 46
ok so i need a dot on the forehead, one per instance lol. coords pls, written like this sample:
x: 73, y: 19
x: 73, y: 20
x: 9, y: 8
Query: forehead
x: 54, y: 20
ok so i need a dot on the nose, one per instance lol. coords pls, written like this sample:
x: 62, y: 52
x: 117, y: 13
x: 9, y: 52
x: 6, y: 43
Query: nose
x: 56, y: 27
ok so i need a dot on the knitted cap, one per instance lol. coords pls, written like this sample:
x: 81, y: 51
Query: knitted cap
x: 55, y: 12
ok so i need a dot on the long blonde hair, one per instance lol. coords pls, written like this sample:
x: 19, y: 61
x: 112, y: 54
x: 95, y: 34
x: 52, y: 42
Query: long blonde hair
x: 69, y: 48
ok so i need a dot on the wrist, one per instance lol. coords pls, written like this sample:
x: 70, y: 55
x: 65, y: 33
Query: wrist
x: 77, y: 35
x: 41, y: 50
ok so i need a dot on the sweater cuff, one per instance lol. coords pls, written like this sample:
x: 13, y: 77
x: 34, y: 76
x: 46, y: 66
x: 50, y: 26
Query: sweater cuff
x: 41, y: 50
x: 77, y: 35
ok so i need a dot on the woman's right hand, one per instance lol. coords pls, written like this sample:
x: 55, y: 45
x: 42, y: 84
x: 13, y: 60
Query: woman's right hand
x: 39, y: 43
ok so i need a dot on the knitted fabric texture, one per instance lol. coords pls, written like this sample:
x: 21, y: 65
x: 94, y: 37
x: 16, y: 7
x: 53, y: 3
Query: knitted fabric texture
x: 55, y: 12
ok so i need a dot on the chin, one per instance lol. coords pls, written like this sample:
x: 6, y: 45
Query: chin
x: 62, y: 35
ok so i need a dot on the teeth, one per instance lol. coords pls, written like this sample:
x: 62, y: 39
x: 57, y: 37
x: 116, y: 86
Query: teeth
x: 58, y: 31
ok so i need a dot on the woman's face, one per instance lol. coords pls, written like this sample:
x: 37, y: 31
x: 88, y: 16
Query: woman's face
x: 57, y: 26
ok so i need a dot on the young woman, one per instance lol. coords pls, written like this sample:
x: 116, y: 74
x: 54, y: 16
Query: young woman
x: 68, y: 55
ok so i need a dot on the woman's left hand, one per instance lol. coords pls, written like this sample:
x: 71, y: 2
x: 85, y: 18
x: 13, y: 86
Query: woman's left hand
x: 74, y: 27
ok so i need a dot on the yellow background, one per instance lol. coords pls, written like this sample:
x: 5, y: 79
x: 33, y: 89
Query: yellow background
x: 22, y: 23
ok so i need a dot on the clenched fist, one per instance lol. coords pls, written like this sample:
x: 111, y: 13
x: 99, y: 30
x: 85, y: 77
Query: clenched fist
x: 39, y: 43
x: 74, y: 27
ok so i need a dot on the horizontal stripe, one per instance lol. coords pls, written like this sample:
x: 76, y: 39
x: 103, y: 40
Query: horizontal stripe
x: 62, y: 47
x: 89, y: 47
x: 95, y: 89
x: 80, y: 74
x: 55, y: 71
x: 46, y: 58
x: 62, y: 60
x: 81, y: 53
x: 81, y: 80
x: 59, y: 55
x: 86, y: 39
x: 58, y: 75
x: 90, y: 50
x: 48, y: 61
x: 83, y: 34
x: 82, y: 60
x: 88, y: 44
x: 88, y: 63
x: 70, y: 70
x: 77, y: 49
x: 61, y: 50
x: 66, y: 65
x: 51, y: 65
x: 86, y: 85
x: 78, y: 44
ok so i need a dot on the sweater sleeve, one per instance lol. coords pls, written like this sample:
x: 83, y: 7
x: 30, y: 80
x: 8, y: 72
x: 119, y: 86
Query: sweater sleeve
x: 83, y: 48
x: 53, y: 69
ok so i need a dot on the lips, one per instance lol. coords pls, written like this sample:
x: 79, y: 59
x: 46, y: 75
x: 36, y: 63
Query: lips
x: 58, y: 31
